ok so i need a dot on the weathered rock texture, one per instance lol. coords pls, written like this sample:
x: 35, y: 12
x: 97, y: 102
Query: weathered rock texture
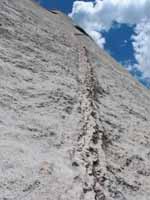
x: 74, y: 125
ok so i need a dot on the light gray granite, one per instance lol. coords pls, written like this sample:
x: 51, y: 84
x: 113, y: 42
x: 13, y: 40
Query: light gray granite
x: 74, y: 125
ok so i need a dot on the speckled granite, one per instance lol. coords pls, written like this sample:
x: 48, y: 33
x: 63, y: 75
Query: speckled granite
x: 74, y: 125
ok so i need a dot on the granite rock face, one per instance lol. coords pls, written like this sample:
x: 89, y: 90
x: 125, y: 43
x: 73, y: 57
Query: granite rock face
x: 74, y: 125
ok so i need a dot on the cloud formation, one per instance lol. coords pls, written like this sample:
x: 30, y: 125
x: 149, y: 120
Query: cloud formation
x: 99, y: 16
x: 141, y: 46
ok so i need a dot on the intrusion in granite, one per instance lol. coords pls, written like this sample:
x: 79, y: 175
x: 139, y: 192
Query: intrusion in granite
x: 73, y: 123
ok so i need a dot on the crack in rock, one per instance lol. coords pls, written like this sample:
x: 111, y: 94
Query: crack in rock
x: 90, y: 152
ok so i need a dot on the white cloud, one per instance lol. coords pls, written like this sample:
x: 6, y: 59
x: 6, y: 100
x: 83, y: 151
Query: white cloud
x: 141, y: 46
x: 97, y: 37
x: 97, y: 16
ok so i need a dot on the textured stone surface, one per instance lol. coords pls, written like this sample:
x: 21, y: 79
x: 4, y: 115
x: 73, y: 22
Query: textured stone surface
x: 74, y: 125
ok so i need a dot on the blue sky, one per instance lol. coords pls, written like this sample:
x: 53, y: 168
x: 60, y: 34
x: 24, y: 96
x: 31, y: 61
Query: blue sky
x: 120, y: 47
x: 58, y: 4
x: 120, y: 35
x: 63, y: 5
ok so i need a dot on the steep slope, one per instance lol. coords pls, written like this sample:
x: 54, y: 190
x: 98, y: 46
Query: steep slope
x: 73, y: 123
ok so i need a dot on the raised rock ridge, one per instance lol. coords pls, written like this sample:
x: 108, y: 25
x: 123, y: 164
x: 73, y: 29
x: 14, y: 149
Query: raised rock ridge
x: 74, y: 125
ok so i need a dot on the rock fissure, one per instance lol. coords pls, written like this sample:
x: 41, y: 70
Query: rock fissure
x: 90, y: 138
